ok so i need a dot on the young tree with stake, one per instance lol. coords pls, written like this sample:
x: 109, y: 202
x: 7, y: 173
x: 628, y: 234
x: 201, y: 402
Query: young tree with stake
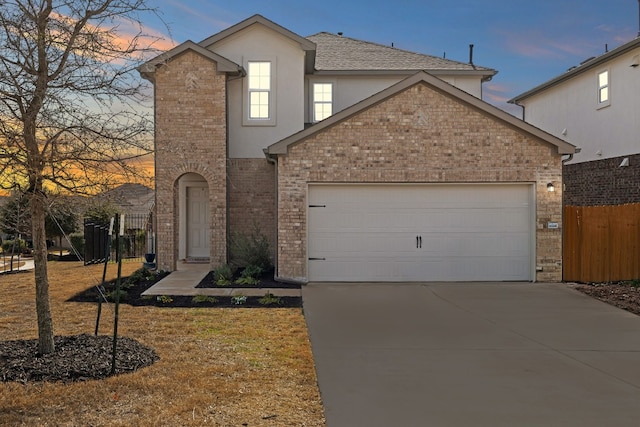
x: 71, y: 108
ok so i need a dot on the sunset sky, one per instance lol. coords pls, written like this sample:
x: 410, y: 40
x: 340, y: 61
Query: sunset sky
x: 527, y: 41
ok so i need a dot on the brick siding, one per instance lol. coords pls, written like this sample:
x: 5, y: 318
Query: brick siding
x: 190, y: 115
x: 252, y: 197
x: 602, y: 182
x: 418, y: 136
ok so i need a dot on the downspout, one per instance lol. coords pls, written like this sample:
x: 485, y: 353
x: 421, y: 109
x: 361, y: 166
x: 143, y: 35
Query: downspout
x: 564, y: 161
x: 274, y: 161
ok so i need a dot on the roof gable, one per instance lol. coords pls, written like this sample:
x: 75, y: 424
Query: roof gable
x: 308, y: 46
x: 338, y: 53
x: 585, y: 66
x: 148, y: 69
x: 437, y: 84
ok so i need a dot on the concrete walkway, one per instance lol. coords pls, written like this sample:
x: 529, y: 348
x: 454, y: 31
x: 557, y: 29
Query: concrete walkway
x: 472, y: 354
x: 184, y: 280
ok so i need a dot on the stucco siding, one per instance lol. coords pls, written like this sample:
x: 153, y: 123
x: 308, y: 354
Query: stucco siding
x: 258, y: 43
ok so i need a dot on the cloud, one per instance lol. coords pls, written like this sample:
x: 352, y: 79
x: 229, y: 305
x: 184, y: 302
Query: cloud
x: 206, y: 18
x: 537, y: 45
x: 495, y: 93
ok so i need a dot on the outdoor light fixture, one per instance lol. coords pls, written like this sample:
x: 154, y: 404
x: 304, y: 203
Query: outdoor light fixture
x: 550, y: 187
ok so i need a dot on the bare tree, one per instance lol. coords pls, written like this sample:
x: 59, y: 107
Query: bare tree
x: 72, y: 113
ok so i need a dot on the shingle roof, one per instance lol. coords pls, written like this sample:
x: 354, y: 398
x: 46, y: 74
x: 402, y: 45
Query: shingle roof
x: 338, y: 53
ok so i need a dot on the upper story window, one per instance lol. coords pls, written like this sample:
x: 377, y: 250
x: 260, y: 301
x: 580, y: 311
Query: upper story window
x: 259, y: 77
x: 603, y: 88
x: 322, y: 101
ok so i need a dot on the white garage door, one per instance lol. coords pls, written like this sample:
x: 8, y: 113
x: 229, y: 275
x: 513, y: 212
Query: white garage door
x: 456, y: 232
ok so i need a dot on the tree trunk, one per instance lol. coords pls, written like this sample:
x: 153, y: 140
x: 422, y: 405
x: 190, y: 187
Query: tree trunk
x: 43, y: 307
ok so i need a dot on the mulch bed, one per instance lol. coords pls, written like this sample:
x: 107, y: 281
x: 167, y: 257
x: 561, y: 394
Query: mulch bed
x: 76, y: 358
x: 619, y: 294
x: 266, y: 281
x: 134, y: 297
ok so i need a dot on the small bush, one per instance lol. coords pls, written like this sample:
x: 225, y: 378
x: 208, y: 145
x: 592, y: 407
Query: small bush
x: 250, y: 281
x: 77, y: 241
x: 250, y: 249
x: 250, y: 275
x: 14, y: 246
x: 198, y: 299
x: 634, y: 283
x: 111, y: 296
x: 223, y: 275
x: 165, y: 299
x: 238, y: 299
x: 270, y: 299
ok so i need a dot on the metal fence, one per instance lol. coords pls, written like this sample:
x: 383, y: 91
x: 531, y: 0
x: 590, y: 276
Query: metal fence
x: 137, y: 239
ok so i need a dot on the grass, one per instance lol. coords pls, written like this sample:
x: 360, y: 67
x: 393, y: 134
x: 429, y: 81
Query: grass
x: 217, y: 366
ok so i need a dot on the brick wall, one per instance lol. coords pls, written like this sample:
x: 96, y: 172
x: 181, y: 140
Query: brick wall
x: 190, y: 115
x: 423, y: 136
x: 252, y: 197
x: 602, y: 182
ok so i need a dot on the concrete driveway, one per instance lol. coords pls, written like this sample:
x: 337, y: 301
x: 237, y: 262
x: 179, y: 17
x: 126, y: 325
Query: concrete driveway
x: 472, y: 354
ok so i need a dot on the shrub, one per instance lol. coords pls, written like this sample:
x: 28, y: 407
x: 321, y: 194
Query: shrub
x: 223, y: 275
x: 270, y: 299
x: 111, y: 296
x: 238, y: 299
x: 250, y: 275
x: 77, y: 241
x: 165, y: 299
x: 14, y: 246
x: 250, y: 249
x: 204, y: 298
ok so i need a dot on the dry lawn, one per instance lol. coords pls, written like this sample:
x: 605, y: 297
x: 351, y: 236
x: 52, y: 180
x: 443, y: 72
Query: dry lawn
x: 221, y: 367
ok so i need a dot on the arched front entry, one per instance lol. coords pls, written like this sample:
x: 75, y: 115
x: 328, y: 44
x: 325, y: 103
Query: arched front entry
x: 194, y: 218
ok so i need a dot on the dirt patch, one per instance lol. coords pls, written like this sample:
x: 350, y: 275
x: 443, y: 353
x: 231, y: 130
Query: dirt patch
x: 624, y: 295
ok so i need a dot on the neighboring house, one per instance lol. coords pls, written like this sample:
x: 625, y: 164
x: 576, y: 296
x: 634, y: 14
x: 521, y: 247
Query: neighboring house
x: 129, y: 199
x: 356, y: 163
x: 595, y: 106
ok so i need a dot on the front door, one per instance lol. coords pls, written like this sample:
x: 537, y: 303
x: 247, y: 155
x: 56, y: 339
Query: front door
x: 197, y: 222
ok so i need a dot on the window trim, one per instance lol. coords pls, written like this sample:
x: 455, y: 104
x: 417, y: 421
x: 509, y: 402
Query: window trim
x: 246, y: 107
x: 600, y: 88
x: 314, y: 102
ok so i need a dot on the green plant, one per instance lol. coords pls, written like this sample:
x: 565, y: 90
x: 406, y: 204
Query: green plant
x: 634, y: 283
x: 204, y: 298
x: 165, y: 299
x: 223, y: 275
x: 238, y: 299
x: 250, y: 249
x: 77, y: 241
x: 270, y: 299
x: 250, y: 275
x: 250, y: 281
x: 111, y: 296
x: 14, y: 246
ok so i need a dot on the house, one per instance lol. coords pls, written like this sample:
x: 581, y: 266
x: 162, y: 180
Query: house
x: 130, y: 199
x: 355, y: 162
x: 595, y: 107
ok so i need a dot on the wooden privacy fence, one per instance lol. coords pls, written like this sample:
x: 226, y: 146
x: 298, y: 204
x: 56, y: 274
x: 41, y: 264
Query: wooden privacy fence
x: 601, y: 243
